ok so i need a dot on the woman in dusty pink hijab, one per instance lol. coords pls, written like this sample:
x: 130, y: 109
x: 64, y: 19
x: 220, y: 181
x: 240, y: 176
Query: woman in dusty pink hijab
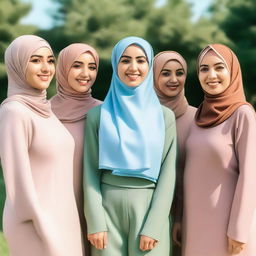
x: 220, y: 180
x: 40, y: 215
x: 76, y: 72
x: 170, y: 72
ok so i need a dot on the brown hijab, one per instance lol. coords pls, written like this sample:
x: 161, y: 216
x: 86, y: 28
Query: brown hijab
x: 215, y: 109
x: 178, y: 104
x: 17, y: 56
x: 69, y: 105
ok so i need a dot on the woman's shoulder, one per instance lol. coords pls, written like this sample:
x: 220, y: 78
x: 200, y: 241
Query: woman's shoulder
x: 14, y: 109
x: 246, y: 111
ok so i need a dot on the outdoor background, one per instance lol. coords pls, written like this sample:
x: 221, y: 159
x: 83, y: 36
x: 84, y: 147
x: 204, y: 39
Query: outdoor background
x: 185, y: 26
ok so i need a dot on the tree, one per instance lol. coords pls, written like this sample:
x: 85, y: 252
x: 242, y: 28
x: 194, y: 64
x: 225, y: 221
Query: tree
x: 11, y: 11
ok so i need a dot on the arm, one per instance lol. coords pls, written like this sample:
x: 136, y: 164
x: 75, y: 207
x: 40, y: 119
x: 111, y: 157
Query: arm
x: 93, y: 209
x: 244, y: 203
x: 16, y: 135
x: 163, y: 194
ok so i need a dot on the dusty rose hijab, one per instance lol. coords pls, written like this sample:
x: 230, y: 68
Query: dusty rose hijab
x: 68, y: 104
x: 178, y: 104
x: 215, y: 109
x: 17, y: 56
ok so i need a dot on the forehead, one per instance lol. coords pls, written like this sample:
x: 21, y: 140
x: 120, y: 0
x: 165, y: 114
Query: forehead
x: 85, y: 57
x: 173, y: 64
x: 43, y: 51
x: 211, y: 57
x: 134, y: 51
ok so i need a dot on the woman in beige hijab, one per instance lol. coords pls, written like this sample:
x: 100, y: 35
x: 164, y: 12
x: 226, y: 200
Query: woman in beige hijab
x: 220, y: 180
x: 76, y: 72
x: 170, y: 72
x: 40, y: 214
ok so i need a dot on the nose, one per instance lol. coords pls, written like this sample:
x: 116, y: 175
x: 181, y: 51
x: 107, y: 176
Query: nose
x: 133, y: 66
x: 173, y: 78
x: 85, y: 72
x: 212, y: 73
x: 45, y: 67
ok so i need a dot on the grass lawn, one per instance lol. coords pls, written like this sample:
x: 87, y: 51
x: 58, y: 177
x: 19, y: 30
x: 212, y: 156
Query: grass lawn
x: 3, y: 247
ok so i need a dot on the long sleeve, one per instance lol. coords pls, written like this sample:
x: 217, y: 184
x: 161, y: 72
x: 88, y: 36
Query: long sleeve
x: 93, y: 209
x: 244, y: 202
x: 163, y: 194
x: 16, y: 135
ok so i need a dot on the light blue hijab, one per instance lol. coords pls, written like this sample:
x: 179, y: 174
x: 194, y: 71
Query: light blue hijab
x: 132, y: 129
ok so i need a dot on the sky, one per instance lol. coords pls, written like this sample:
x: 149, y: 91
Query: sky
x: 40, y: 14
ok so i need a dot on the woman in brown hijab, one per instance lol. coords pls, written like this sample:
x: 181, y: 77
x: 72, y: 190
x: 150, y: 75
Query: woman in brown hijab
x: 76, y: 72
x: 220, y: 178
x: 170, y: 72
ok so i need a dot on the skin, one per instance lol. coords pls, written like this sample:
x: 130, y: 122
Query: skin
x: 172, y: 78
x: 40, y: 69
x: 132, y: 70
x: 133, y: 66
x: 213, y: 75
x: 214, y: 78
x: 82, y: 73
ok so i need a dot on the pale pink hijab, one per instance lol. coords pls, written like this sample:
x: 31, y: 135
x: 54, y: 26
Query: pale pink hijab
x: 215, y: 109
x: 17, y: 56
x: 68, y: 104
x: 178, y: 104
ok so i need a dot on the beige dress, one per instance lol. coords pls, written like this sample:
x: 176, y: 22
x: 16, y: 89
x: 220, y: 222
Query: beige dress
x: 40, y: 214
x: 220, y: 186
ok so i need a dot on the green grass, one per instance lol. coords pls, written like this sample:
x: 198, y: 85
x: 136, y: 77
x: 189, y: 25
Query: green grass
x: 3, y: 246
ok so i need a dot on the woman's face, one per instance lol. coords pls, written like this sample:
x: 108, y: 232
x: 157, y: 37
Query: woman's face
x: 172, y: 78
x: 82, y: 73
x: 133, y: 66
x: 40, y: 69
x: 214, y: 75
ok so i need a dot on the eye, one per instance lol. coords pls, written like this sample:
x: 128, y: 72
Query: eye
x: 35, y: 60
x: 141, y: 61
x: 76, y: 65
x: 204, y: 69
x: 92, y: 68
x: 180, y: 73
x: 52, y: 61
x: 125, y: 61
x: 166, y: 73
x: 220, y: 68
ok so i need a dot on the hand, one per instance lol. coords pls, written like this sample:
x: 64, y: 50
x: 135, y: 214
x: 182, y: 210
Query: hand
x: 147, y: 243
x: 99, y: 239
x: 235, y: 247
x: 176, y: 233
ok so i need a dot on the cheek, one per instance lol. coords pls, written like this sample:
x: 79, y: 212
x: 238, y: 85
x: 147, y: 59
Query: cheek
x: 162, y: 82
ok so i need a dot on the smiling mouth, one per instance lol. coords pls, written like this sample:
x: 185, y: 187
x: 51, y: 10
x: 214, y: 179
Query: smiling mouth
x: 44, y: 77
x: 83, y: 82
x: 172, y: 86
x: 133, y: 77
x: 213, y: 84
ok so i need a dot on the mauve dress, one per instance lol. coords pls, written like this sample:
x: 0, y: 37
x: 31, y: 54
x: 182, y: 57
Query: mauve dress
x: 40, y: 214
x: 220, y: 186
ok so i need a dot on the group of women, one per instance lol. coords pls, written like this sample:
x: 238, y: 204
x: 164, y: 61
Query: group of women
x: 85, y: 177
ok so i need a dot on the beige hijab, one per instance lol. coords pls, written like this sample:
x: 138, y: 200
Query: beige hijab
x: 215, y: 109
x: 69, y: 105
x: 17, y: 56
x: 178, y: 104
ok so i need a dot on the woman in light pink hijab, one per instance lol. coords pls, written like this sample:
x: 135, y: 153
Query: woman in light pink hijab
x: 40, y: 215
x: 170, y: 72
x: 76, y: 73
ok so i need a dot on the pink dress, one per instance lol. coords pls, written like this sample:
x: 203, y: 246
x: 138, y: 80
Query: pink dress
x: 40, y: 214
x: 220, y: 186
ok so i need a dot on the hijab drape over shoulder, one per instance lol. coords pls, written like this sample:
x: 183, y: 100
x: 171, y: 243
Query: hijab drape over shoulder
x: 132, y: 130
x: 178, y: 104
x: 70, y: 105
x: 215, y: 109
x: 17, y: 56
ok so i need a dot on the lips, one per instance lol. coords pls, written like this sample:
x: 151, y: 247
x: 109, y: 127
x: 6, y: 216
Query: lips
x: 133, y: 77
x: 44, y: 77
x: 213, y: 84
x: 83, y: 82
x: 172, y: 86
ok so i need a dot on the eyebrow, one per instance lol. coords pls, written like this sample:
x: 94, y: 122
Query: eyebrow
x: 166, y: 69
x: 205, y: 65
x: 80, y: 62
x: 129, y: 57
x: 40, y: 56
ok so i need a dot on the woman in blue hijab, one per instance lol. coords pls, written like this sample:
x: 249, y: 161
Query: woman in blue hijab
x: 130, y: 153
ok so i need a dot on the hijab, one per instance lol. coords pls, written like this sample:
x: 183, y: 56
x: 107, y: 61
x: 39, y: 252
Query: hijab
x: 132, y: 129
x: 17, y: 57
x: 215, y: 109
x: 68, y: 104
x: 178, y: 103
